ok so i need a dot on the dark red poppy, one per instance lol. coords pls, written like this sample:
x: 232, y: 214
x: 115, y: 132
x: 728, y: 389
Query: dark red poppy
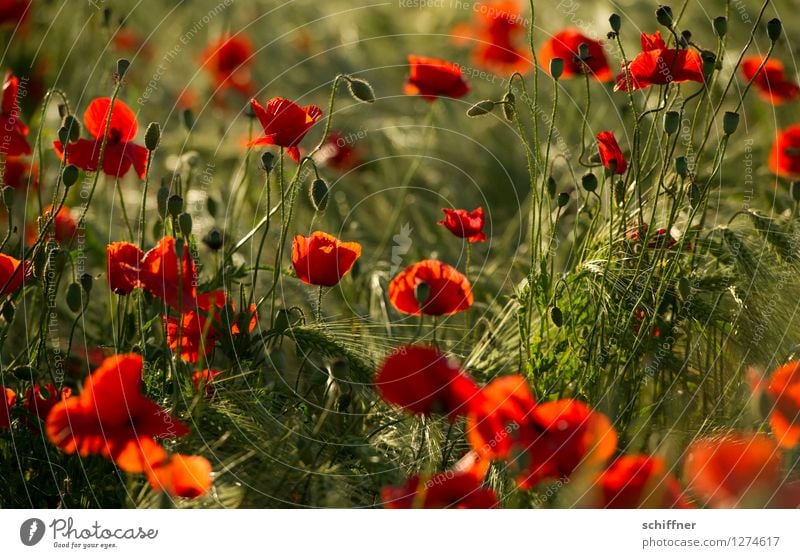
x: 161, y: 276
x: 610, y: 153
x: 771, y: 82
x: 19, y: 174
x: 784, y: 390
x: 322, y: 259
x: 566, y: 45
x: 39, y: 402
x: 338, y: 152
x: 433, y: 77
x: 736, y: 470
x: 13, y: 12
x: 442, y: 490
x: 123, y: 263
x: 285, y: 123
x: 448, y: 291
x: 465, y: 224
x: 11, y: 277
x: 639, y: 481
x: 784, y: 159
x: 7, y: 400
x: 422, y: 380
x: 13, y: 128
x: 112, y: 418
x: 182, y: 476
x: 659, y: 65
x: 121, y: 152
x: 228, y: 61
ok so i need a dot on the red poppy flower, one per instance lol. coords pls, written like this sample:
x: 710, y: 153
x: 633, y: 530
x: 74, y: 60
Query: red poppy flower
x: 566, y: 45
x: 14, y: 129
x: 784, y: 389
x: 123, y: 263
x: 501, y: 418
x: 338, y: 153
x: 64, y: 225
x: 182, y: 476
x: 422, y: 380
x: 20, y: 174
x: 7, y: 400
x: 13, y: 12
x: 11, y: 275
x: 228, y: 60
x: 433, y: 77
x: 640, y: 481
x: 449, y: 292
x: 442, y: 490
x: 771, y: 82
x: 204, y: 380
x: 285, y: 123
x: 610, y: 153
x: 120, y: 154
x: 737, y: 470
x: 160, y: 274
x: 40, y: 402
x: 112, y: 418
x: 659, y: 65
x: 465, y: 224
x: 784, y: 159
x: 322, y: 259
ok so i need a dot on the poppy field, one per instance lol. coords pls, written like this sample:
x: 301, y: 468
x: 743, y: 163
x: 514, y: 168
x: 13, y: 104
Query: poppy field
x: 411, y: 254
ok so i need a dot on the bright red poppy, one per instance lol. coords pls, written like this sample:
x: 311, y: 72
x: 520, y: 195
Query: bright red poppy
x: 610, y: 153
x: 112, y: 418
x: 121, y: 152
x: 285, y: 123
x: 784, y: 390
x: 736, y: 470
x: 422, y: 380
x: 7, y: 401
x: 499, y: 27
x: 448, y: 291
x: 433, y: 77
x: 11, y: 277
x: 784, y: 159
x: 322, y: 259
x: 465, y: 224
x: 228, y: 61
x: 566, y: 45
x: 14, y: 129
x: 639, y: 481
x: 123, y: 263
x: 182, y: 476
x: 161, y: 275
x: 39, y: 402
x: 771, y: 82
x: 659, y: 65
x: 442, y: 490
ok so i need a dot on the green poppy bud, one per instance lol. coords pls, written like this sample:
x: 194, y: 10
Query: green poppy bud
x: 721, y: 26
x: 267, y: 161
x: 152, y: 136
x: 509, y: 106
x: 664, y: 16
x: 175, y: 205
x: 616, y: 22
x: 73, y: 127
x: 86, y: 282
x: 122, y: 67
x: 556, y: 316
x: 563, y: 199
x: 481, y: 108
x: 360, y: 90
x: 730, y: 121
x: 161, y: 198
x: 589, y: 182
x: 774, y: 29
x: 557, y: 67
x: 74, y: 297
x: 188, y: 119
x: 318, y: 193
x: 185, y: 224
x: 213, y: 239
x: 672, y: 121
x: 69, y: 176
x: 682, y: 166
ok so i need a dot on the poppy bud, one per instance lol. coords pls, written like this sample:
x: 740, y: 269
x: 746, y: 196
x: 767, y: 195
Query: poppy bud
x: 106, y: 17
x: 8, y: 197
x: 63, y: 135
x: 185, y: 224
x: 152, y: 136
x: 421, y: 292
x: 73, y: 128
x: 8, y: 311
x: 774, y: 28
x: 281, y: 321
x: 161, y: 198
x: 556, y: 67
x: 664, y: 16
x: 188, y: 119
x: 616, y: 22
x: 583, y: 52
x: 682, y: 166
x: 563, y: 199
x: 685, y: 38
x: 213, y: 239
x: 709, y: 62
x: 122, y: 67
x: 730, y: 121
x: 556, y: 316
x: 74, y: 297
x: 672, y: 121
x: 481, y: 108
x: 62, y: 110
x: 509, y: 106
x: 619, y: 192
x: 86, y: 282
x: 589, y: 182
x: 69, y: 176
x: 318, y: 193
x: 267, y: 161
x: 175, y: 205
x: 360, y: 90
x: 695, y: 195
x: 551, y: 187
x: 721, y: 26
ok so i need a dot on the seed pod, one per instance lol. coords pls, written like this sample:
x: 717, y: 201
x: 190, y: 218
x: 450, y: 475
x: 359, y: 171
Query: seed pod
x: 672, y: 121
x: 509, y: 106
x: 563, y: 199
x: 267, y: 161
x: 213, y: 239
x: 730, y: 121
x: 73, y: 128
x: 360, y: 90
x: 589, y: 182
x: 175, y: 205
x: 664, y: 16
x: 122, y: 67
x: 721, y: 26
x: 74, y: 297
x: 86, y: 282
x: 185, y: 224
x: 557, y: 67
x: 69, y: 176
x: 152, y: 136
x: 774, y: 29
x: 481, y: 108
x: 556, y: 316
x: 616, y: 22
x: 63, y: 135
x: 318, y: 193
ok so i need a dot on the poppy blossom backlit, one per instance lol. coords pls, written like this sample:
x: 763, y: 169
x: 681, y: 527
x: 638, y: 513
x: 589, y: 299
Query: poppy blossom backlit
x: 784, y: 159
x: 771, y: 82
x: 285, y: 123
x: 448, y: 291
x: 442, y: 490
x: 322, y: 259
x: 566, y: 45
x: 610, y: 153
x: 433, y: 77
x: 659, y: 65
x: 465, y: 224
